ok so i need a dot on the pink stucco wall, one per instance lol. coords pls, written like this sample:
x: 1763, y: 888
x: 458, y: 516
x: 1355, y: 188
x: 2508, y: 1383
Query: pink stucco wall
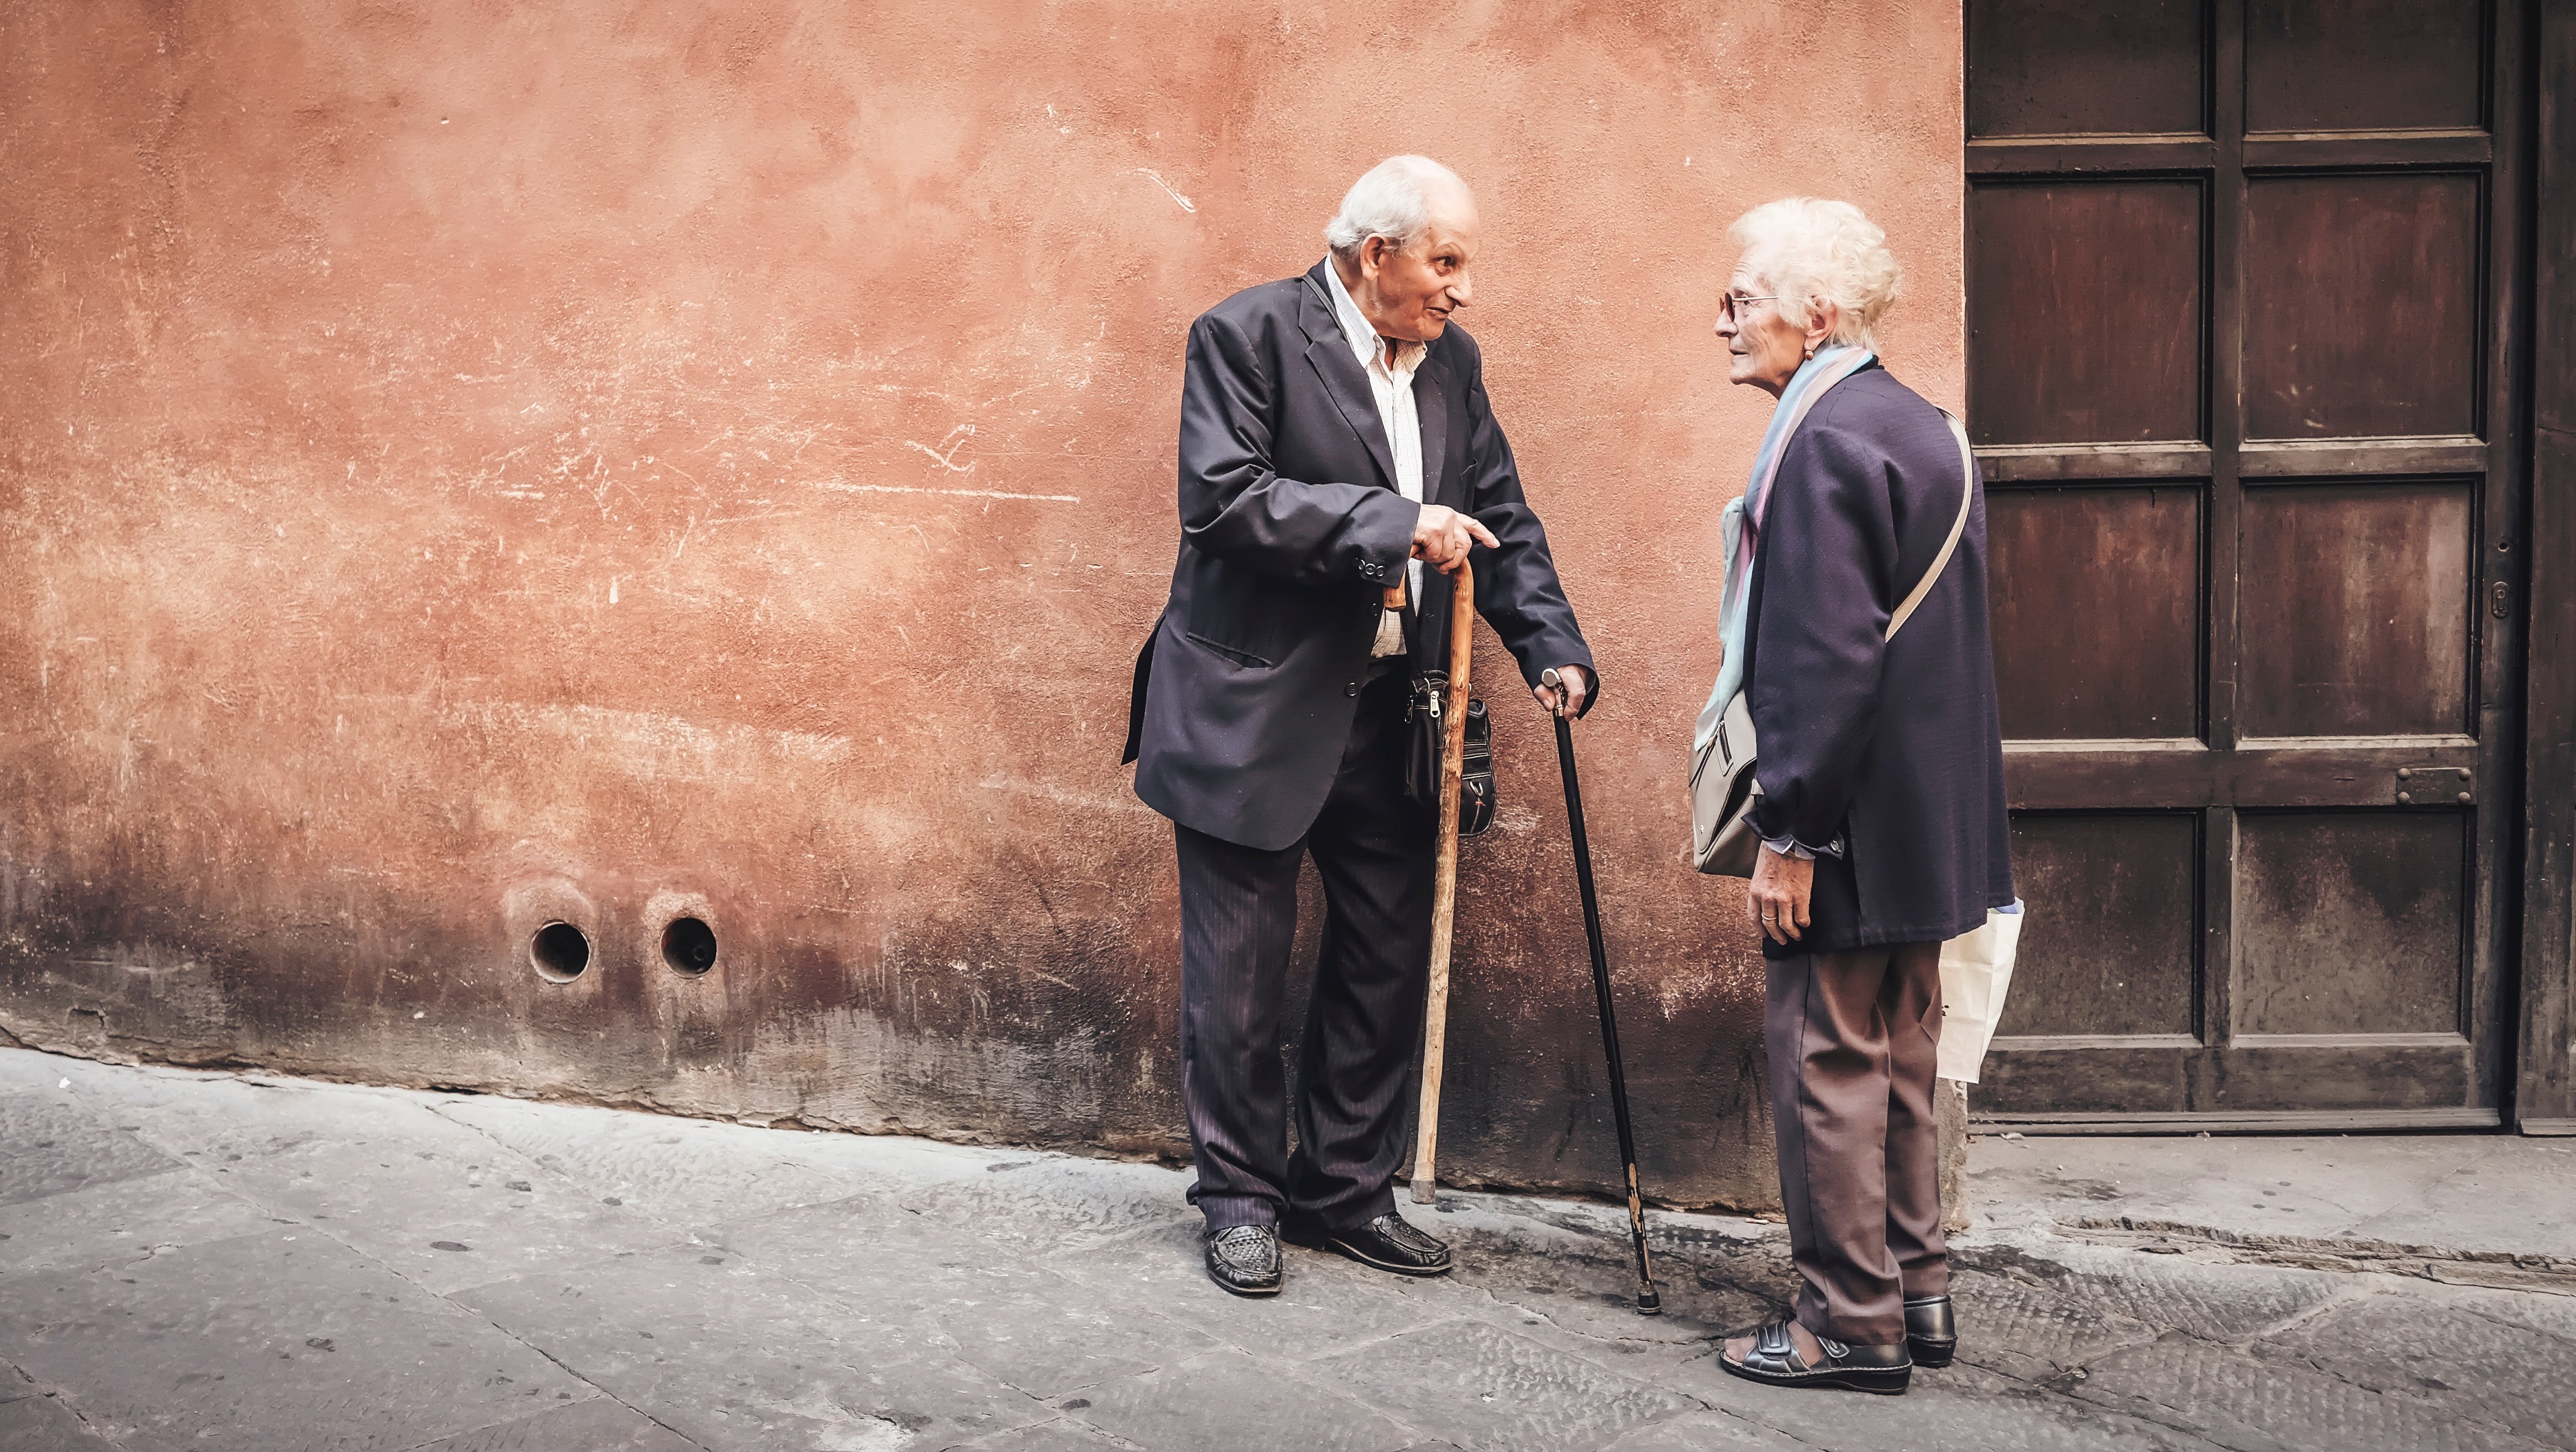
x: 466, y: 464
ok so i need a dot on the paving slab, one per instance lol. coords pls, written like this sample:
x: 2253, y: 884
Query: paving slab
x: 1061, y: 1435
x: 1044, y: 1203
x: 698, y: 1171
x: 731, y: 1354
x: 2273, y: 1185
x: 1588, y: 1283
x: 2449, y: 1357
x: 2468, y: 1192
x: 232, y: 1343
x: 123, y: 1218
x: 45, y: 1424
x: 2231, y: 1397
x: 2552, y: 1315
x: 1232, y: 1400
x: 2211, y: 1301
x: 1022, y: 1323
x: 1708, y: 1432
x: 439, y: 1202
x: 1482, y: 1386
x: 56, y: 1144
x: 2520, y: 1196
x: 597, y: 1425
x: 2031, y: 1334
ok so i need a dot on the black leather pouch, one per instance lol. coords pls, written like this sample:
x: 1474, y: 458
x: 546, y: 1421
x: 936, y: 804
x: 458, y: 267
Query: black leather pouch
x: 1423, y: 737
x: 1476, y: 775
x: 1428, y: 733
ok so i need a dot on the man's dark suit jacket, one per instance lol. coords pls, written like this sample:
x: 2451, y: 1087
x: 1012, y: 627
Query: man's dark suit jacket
x: 1895, y: 746
x: 1291, y: 529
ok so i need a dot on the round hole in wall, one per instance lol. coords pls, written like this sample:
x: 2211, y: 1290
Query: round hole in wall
x: 560, y: 952
x: 689, y: 946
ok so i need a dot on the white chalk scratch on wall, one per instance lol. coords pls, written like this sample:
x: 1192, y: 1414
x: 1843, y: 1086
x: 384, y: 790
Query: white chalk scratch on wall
x: 843, y: 486
x: 947, y: 454
x: 1151, y: 175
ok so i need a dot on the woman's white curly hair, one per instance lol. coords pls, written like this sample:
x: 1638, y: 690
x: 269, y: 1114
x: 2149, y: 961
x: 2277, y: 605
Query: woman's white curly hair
x: 1808, y: 251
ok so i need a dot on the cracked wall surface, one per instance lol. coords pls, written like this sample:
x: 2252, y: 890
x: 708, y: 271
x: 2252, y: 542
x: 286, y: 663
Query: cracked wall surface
x: 463, y: 467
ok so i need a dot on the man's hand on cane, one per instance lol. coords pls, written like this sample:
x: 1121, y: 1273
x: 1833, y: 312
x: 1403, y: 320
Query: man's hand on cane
x: 1442, y: 537
x: 1562, y: 690
x: 1777, y: 901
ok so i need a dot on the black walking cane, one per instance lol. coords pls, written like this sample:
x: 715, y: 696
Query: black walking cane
x: 1648, y: 1302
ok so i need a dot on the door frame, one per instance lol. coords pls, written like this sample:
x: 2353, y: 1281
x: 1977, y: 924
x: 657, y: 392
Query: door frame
x: 2544, y: 1098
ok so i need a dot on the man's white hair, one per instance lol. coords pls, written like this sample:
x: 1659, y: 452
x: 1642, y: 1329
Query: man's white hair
x: 1806, y: 250
x: 1392, y: 200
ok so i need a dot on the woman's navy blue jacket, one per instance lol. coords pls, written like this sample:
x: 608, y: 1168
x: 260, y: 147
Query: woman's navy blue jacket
x: 1892, y: 748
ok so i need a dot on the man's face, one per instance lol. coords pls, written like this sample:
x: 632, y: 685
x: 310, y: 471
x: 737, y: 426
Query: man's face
x: 1408, y: 293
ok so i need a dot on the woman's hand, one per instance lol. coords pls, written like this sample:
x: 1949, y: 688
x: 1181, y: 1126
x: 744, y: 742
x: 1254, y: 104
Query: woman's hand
x: 1777, y: 901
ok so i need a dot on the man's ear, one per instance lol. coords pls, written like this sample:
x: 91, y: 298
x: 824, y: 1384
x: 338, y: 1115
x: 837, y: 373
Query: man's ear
x: 1373, y: 255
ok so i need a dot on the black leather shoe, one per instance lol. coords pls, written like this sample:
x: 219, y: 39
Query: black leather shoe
x: 1391, y: 1243
x: 1245, y: 1259
x: 1931, y: 1332
x: 1774, y: 1359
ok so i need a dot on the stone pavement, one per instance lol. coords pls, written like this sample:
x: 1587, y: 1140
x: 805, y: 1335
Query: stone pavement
x: 233, y: 1261
x: 2471, y: 1196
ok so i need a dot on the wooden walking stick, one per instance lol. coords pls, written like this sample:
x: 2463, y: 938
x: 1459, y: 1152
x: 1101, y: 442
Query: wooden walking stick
x: 1444, y: 883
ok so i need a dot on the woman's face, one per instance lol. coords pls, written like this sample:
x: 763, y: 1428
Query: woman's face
x: 1765, y: 348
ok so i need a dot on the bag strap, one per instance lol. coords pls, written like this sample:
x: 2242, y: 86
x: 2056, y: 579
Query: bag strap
x: 1958, y: 527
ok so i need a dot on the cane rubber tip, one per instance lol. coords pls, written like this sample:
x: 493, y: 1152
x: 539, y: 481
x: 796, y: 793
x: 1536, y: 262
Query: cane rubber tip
x: 1650, y: 1304
x: 1426, y: 1192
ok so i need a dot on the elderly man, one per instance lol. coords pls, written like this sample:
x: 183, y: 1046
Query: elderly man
x: 1335, y: 440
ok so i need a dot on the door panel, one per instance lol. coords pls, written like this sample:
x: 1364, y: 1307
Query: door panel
x: 2361, y: 306
x: 2238, y: 278
x: 2114, y: 956
x: 2095, y: 594
x: 2363, y: 65
x: 2355, y: 599
x: 2349, y: 923
x: 2091, y: 297
x: 2043, y: 58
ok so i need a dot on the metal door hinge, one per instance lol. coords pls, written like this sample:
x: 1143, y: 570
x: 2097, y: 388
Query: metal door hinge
x: 2503, y: 597
x: 2425, y: 785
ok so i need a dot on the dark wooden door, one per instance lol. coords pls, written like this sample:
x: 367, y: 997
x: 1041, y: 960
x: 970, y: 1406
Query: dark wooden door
x: 2241, y: 278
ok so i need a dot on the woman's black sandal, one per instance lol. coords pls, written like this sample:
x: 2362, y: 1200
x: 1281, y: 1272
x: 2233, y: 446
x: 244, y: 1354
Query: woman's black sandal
x: 1774, y: 1360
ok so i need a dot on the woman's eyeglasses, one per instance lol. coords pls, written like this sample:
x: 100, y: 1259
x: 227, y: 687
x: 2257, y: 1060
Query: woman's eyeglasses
x: 1734, y: 303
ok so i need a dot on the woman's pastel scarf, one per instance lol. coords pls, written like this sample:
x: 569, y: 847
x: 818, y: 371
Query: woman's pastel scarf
x: 1741, y: 524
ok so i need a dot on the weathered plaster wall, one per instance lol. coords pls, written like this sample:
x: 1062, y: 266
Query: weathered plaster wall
x: 466, y: 464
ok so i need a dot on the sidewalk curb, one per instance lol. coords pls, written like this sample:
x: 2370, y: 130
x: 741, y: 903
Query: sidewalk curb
x: 2498, y: 1269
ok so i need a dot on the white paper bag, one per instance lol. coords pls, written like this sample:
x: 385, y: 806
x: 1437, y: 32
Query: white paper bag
x: 1976, y: 970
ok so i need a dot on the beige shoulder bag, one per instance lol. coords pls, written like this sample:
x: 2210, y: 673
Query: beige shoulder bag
x: 1721, y: 781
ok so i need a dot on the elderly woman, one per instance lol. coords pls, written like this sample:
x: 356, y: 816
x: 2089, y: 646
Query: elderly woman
x: 1880, y: 766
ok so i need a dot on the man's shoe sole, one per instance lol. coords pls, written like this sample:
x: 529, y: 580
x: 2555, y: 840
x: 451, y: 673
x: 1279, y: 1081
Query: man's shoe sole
x: 1247, y: 1292
x: 1932, y: 1354
x: 1335, y: 1242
